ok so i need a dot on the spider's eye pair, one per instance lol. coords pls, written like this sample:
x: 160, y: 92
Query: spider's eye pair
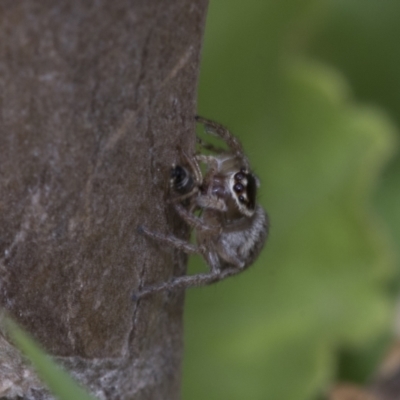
x: 240, y: 187
x: 240, y: 175
x: 245, y: 187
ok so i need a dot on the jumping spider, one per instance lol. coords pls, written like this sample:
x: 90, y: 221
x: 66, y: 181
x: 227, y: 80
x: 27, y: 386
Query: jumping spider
x: 231, y: 228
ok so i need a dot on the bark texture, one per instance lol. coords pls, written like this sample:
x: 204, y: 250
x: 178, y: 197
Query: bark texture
x: 96, y: 98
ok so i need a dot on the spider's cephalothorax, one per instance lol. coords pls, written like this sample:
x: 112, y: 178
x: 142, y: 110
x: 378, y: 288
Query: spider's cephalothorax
x: 231, y: 228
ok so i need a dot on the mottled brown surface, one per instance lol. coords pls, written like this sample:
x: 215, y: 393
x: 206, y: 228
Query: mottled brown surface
x: 349, y: 391
x: 95, y: 98
x: 386, y: 382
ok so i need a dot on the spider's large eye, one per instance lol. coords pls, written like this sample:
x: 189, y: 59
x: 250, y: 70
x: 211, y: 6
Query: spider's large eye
x: 239, y: 176
x: 238, y: 188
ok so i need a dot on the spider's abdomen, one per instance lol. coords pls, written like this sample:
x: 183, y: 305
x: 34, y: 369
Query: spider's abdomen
x: 245, y: 243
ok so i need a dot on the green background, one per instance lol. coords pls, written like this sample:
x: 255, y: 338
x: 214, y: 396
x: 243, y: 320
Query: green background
x: 312, y: 89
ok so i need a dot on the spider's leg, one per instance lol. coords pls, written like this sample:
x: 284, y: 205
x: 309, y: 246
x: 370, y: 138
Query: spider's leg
x: 211, y: 202
x: 194, y: 165
x: 172, y: 241
x: 181, y: 198
x: 213, y: 128
x: 211, y: 161
x: 231, y: 258
x: 193, y: 221
x: 212, y: 164
x: 210, y: 147
x: 186, y: 281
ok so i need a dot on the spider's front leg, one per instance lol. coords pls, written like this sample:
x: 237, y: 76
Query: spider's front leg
x: 212, y: 167
x: 216, y: 129
x: 194, y: 165
x: 210, y: 147
x: 187, y: 281
x: 211, y: 203
x: 171, y: 241
x: 210, y: 161
x: 195, y: 222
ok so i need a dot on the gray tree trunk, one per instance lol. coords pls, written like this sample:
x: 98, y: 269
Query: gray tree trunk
x: 96, y: 98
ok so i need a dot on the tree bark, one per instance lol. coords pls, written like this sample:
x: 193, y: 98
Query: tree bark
x: 96, y: 99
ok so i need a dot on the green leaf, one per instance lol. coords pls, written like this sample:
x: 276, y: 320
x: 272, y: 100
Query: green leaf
x: 321, y: 284
x: 361, y: 38
x: 56, y: 379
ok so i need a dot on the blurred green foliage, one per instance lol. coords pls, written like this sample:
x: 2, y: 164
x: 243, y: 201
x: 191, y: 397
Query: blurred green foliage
x: 311, y: 88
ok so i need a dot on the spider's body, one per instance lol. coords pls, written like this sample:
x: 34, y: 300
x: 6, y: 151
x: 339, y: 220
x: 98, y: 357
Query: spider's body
x: 232, y: 228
